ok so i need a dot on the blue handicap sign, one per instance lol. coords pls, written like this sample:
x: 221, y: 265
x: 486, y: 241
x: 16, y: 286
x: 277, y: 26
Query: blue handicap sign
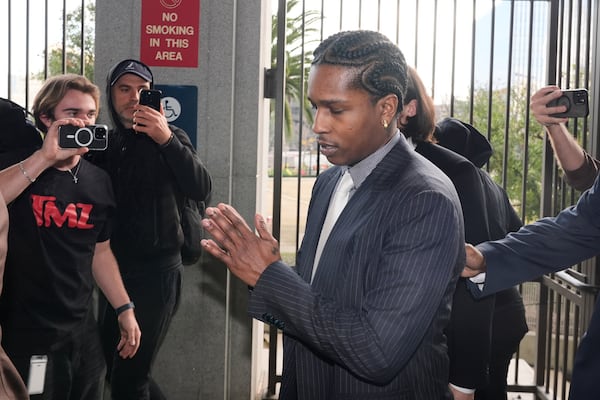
x: 180, y: 103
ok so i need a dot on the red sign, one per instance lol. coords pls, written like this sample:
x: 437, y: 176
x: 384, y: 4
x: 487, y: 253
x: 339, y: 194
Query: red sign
x: 170, y: 33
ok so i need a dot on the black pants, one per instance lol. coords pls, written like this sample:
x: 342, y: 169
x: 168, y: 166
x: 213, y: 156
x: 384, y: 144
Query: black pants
x: 75, y: 368
x: 509, y: 327
x: 502, y: 352
x: 156, y: 297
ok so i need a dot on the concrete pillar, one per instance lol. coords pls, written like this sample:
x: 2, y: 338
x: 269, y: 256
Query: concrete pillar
x: 208, y: 352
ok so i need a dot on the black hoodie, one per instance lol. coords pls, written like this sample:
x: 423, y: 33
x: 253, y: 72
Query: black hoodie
x: 150, y: 182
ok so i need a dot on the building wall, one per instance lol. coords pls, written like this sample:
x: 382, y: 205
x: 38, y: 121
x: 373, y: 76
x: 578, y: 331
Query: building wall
x: 208, y: 351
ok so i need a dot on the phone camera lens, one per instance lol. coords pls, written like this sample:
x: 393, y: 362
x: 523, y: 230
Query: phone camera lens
x: 83, y: 137
x: 100, y: 133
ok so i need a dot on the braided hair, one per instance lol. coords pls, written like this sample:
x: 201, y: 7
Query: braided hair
x: 379, y: 63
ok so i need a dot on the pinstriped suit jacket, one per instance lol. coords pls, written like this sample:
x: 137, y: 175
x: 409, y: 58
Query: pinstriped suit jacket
x: 370, y: 326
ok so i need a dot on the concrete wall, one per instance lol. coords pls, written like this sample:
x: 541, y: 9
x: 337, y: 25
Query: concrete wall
x: 208, y: 352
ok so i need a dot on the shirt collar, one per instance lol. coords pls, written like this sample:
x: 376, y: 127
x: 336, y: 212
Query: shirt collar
x: 362, y: 169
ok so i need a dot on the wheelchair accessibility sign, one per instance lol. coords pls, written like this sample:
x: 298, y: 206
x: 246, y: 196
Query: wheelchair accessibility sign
x: 180, y: 104
x: 172, y: 108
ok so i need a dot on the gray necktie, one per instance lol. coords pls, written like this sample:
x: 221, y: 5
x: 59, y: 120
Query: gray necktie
x: 336, y: 205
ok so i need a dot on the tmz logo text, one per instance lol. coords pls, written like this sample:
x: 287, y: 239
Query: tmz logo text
x: 46, y: 213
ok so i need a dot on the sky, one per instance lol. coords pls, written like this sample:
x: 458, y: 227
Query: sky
x: 18, y: 38
x: 428, y: 40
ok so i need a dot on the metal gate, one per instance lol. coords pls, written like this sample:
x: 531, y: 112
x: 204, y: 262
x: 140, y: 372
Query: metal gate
x: 481, y: 61
x: 41, y: 38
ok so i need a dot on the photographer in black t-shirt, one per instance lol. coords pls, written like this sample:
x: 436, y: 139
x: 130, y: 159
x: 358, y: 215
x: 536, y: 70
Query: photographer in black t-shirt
x: 58, y: 247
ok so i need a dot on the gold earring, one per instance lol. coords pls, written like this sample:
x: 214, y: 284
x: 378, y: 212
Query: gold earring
x: 384, y: 123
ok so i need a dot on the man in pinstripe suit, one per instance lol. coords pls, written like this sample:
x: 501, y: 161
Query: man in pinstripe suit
x: 369, y: 323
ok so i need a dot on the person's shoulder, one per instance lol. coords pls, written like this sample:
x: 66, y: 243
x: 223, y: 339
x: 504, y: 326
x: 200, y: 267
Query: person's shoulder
x: 462, y: 172
x: 443, y: 157
x: 423, y: 175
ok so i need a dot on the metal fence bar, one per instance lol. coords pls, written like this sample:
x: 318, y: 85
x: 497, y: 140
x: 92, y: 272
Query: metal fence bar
x: 37, y: 46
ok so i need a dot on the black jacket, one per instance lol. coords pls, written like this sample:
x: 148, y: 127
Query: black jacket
x: 488, y: 215
x: 150, y: 182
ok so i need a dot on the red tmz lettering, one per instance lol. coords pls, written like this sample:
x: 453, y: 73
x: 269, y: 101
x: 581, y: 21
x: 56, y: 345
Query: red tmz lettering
x: 46, y: 213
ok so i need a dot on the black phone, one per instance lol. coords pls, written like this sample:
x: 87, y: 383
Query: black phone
x: 576, y: 101
x: 151, y: 98
x: 94, y: 137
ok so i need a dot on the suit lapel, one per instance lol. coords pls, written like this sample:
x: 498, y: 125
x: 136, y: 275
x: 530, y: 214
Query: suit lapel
x: 317, y: 211
x: 384, y: 177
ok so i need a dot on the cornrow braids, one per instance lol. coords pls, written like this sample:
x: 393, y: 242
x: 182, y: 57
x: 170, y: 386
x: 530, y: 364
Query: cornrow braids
x: 380, y: 65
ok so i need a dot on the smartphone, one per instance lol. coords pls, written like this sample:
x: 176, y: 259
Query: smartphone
x: 151, y: 98
x: 94, y: 137
x: 37, y: 374
x: 576, y: 101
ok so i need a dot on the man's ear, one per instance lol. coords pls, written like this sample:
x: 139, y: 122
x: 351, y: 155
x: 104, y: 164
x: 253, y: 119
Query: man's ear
x: 410, y: 109
x: 389, y: 107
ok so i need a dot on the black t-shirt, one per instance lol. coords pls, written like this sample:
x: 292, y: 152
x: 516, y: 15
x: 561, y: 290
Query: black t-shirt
x: 54, y: 227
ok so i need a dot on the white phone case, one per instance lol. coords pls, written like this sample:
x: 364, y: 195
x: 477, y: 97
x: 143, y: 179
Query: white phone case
x: 37, y: 374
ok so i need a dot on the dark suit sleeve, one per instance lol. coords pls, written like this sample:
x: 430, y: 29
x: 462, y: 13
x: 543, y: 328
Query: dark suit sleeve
x: 411, y: 259
x: 545, y: 246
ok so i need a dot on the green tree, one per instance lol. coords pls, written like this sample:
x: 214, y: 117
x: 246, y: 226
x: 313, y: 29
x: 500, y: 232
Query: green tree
x: 300, y: 34
x: 524, y: 152
x: 74, y: 45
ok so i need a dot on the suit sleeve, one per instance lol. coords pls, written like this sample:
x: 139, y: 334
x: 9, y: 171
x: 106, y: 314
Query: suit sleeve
x: 414, y: 254
x: 545, y: 246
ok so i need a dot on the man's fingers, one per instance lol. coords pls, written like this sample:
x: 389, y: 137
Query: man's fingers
x: 127, y: 347
x: 215, y: 250
x: 235, y: 219
x: 220, y: 229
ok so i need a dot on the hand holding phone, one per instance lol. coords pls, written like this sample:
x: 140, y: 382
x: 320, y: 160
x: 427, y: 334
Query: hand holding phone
x: 576, y: 101
x: 94, y: 137
x: 151, y: 98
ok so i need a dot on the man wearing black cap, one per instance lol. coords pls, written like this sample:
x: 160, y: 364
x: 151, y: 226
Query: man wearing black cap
x: 153, y: 166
